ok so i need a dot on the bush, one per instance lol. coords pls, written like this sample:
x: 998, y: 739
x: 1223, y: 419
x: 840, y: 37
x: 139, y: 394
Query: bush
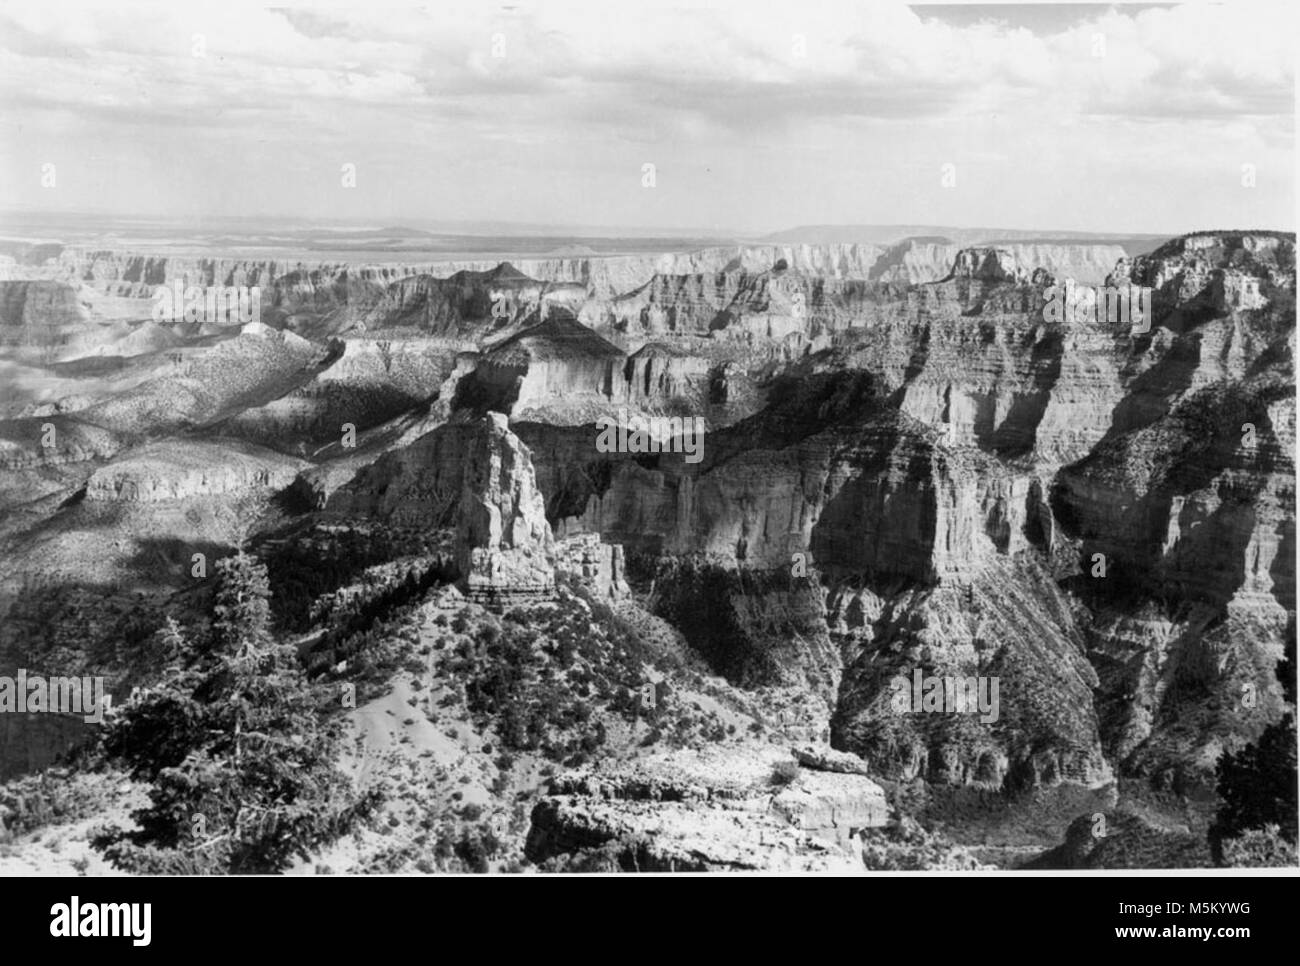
x: 50, y: 797
x: 476, y: 847
x: 784, y: 772
x: 1259, y: 848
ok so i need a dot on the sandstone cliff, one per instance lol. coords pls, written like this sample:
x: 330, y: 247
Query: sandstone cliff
x: 503, y: 542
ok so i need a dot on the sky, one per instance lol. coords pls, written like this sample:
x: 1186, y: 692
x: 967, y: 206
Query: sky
x: 755, y: 115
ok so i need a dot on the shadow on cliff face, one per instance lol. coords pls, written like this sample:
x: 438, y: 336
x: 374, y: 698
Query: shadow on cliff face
x: 880, y: 522
x: 1151, y: 394
x: 1166, y: 518
x: 754, y: 628
x: 1016, y: 434
x: 1121, y: 500
x: 1283, y: 569
x: 1154, y: 392
x: 799, y: 407
x: 479, y: 394
x: 366, y: 408
x: 171, y: 560
x: 569, y: 468
x: 308, y: 560
x: 916, y: 363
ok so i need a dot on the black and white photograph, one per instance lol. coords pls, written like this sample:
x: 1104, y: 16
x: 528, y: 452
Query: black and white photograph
x: 721, y: 438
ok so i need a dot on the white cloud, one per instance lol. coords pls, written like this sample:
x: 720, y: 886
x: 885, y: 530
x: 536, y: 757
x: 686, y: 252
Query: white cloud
x: 706, y: 86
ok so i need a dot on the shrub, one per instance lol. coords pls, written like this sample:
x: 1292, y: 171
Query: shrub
x: 34, y: 801
x: 476, y: 847
x: 784, y: 772
x: 1259, y: 848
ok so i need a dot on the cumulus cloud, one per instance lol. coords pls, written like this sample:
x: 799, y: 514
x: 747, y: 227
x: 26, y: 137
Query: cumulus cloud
x: 688, y: 82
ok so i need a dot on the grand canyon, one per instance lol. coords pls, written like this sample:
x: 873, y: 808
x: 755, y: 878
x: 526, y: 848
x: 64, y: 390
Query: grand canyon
x: 556, y: 436
x: 906, y: 468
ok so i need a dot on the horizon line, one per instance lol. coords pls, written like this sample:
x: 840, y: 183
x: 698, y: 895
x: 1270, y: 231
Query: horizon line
x: 470, y: 229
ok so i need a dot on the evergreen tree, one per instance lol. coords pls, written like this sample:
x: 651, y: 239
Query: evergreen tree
x: 239, y: 753
x: 1258, y: 783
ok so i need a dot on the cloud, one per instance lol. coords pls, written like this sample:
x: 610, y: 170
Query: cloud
x: 878, y: 61
x: 453, y: 82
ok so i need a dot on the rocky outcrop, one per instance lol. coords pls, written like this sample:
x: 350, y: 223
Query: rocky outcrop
x: 725, y: 809
x: 1125, y: 841
x: 504, y: 546
x: 823, y: 758
x: 416, y: 485
x: 179, y: 469
x: 1209, y: 274
x: 600, y: 567
x: 1008, y: 631
x: 988, y: 264
x: 1185, y: 534
x: 658, y: 374
x: 555, y: 371
x: 475, y: 478
x: 757, y: 628
x: 242, y: 371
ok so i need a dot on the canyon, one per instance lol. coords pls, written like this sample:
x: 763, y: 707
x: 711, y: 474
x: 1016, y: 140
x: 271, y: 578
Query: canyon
x: 907, y: 465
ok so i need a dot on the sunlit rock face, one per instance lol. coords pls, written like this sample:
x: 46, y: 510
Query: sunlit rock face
x: 556, y: 366
x: 503, y: 541
x: 475, y: 479
x: 601, y: 567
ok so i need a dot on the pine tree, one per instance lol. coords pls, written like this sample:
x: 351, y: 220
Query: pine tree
x: 242, y: 611
x: 172, y: 645
x: 240, y: 755
x: 1258, y: 783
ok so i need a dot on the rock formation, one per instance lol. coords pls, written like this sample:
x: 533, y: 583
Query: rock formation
x: 700, y: 812
x: 504, y: 546
x: 598, y: 566
x: 180, y: 469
